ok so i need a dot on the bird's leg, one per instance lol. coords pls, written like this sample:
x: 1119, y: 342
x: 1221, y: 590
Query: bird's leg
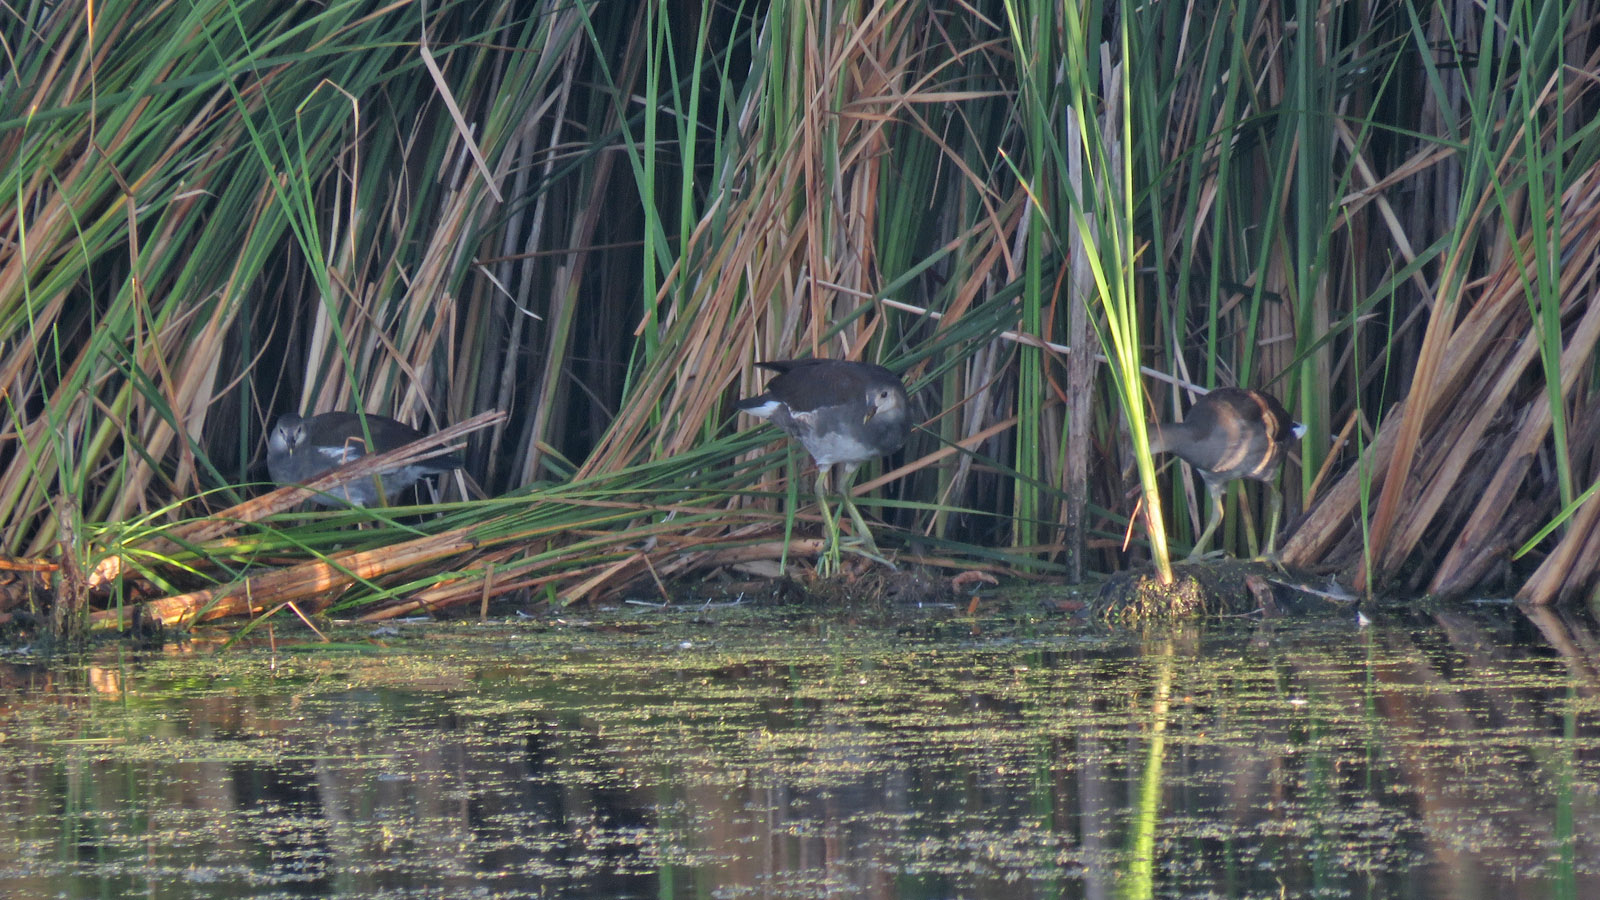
x: 828, y: 563
x: 1215, y: 490
x: 1274, y: 510
x: 862, y: 535
x: 862, y: 539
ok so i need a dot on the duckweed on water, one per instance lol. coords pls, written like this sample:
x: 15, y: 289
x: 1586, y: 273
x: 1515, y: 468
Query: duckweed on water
x: 658, y: 756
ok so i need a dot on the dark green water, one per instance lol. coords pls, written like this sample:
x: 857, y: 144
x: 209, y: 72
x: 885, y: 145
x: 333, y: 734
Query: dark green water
x: 728, y: 754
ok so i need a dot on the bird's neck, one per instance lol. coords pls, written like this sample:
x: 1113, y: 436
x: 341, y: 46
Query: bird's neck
x: 1162, y: 437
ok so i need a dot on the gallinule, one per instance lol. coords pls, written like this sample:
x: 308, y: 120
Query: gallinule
x: 844, y: 413
x: 1232, y: 433
x: 299, y: 450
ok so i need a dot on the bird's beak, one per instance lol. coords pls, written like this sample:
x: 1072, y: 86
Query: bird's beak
x: 871, y: 411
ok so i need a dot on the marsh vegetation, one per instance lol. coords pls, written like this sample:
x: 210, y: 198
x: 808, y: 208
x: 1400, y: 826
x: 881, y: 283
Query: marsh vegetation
x: 585, y: 222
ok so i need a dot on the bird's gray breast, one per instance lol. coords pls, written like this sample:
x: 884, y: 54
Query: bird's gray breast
x: 831, y: 434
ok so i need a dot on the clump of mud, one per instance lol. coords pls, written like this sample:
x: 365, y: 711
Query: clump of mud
x: 1223, y: 588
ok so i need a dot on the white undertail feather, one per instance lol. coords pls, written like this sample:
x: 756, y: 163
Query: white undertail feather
x: 765, y: 410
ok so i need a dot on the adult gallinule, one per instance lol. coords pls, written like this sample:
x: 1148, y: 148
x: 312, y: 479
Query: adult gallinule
x: 299, y: 450
x: 1232, y: 433
x: 845, y: 414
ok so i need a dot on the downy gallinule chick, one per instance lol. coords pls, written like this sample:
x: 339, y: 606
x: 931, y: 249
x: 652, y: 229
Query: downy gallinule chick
x: 844, y: 413
x: 299, y: 450
x: 1232, y: 433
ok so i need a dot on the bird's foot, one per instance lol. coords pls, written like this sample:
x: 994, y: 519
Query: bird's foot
x: 829, y: 563
x: 1271, y: 559
x: 862, y: 544
x: 868, y: 551
x: 860, y: 541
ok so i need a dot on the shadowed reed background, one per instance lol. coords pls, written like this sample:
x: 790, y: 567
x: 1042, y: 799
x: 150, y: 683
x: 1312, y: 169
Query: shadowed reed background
x: 597, y: 216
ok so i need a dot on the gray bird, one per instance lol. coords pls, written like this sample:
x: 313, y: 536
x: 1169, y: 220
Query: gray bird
x: 845, y: 414
x: 299, y: 450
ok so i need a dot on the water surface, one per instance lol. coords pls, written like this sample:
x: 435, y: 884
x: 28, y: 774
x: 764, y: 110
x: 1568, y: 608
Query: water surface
x: 730, y: 753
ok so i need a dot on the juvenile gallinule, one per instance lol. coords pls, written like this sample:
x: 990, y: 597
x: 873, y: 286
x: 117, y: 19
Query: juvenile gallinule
x: 299, y: 450
x: 1232, y: 433
x: 844, y: 413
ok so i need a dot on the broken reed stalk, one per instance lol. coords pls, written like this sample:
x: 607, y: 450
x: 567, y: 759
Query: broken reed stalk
x: 256, y: 594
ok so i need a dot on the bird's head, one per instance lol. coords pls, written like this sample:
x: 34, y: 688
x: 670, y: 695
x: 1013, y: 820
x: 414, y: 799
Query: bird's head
x: 287, y: 434
x: 881, y: 401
